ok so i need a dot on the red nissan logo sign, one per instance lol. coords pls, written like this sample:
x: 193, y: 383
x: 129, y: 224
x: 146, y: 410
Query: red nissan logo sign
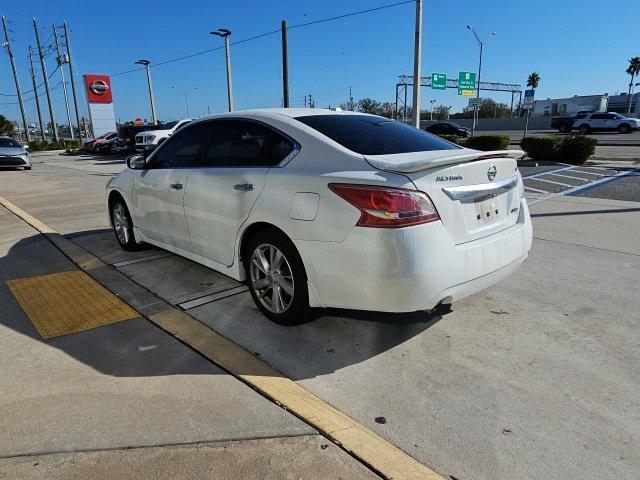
x: 99, y: 87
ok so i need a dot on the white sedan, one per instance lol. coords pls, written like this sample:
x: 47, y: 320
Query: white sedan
x: 318, y: 208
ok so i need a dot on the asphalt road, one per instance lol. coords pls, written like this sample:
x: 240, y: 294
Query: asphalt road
x: 536, y: 377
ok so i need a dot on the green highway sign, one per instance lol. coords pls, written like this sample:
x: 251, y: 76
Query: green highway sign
x: 438, y: 81
x: 466, y: 84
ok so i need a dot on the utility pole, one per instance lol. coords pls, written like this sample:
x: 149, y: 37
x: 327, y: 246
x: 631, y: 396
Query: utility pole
x: 46, y: 83
x: 285, y: 65
x: 35, y: 93
x: 7, y: 45
x: 350, y: 99
x: 305, y: 100
x: 417, y: 61
x: 61, y: 61
x: 73, y: 82
x: 311, y: 104
x: 145, y: 63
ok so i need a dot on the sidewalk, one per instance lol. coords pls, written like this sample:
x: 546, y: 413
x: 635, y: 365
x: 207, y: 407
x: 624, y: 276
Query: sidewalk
x: 72, y: 404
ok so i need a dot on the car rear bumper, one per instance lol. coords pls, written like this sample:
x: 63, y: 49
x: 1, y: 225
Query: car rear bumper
x: 410, y: 269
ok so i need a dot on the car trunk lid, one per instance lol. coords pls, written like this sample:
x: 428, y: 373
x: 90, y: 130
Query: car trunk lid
x: 476, y: 193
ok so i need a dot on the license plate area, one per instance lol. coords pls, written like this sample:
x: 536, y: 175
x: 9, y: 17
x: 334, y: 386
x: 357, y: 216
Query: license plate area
x: 490, y: 210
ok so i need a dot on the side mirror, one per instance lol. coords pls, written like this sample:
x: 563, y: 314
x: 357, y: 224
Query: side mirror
x: 136, y: 162
x: 26, y: 147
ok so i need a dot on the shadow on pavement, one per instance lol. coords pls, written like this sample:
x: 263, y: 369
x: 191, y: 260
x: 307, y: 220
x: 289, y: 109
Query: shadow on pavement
x: 334, y: 340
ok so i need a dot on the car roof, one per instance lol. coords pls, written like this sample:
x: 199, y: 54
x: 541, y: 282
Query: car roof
x: 285, y: 112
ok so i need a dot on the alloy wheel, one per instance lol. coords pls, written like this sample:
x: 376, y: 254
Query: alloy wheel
x: 271, y: 278
x: 120, y: 223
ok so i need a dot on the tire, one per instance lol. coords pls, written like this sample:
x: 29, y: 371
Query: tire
x: 624, y: 128
x: 564, y: 128
x: 276, y: 278
x: 585, y: 129
x: 122, y: 225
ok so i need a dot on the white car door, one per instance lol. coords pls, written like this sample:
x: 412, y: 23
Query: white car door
x: 221, y: 193
x: 158, y: 192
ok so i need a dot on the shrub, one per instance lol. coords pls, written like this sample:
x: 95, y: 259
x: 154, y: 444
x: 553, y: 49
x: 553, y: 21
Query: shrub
x: 488, y: 142
x: 452, y: 138
x: 571, y: 149
x: 541, y: 148
x: 576, y: 149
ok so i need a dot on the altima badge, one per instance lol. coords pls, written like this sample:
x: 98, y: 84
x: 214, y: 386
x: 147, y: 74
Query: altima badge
x: 491, y: 173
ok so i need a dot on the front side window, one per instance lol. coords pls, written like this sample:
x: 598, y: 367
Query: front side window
x: 373, y: 135
x: 242, y: 143
x: 599, y: 116
x: 182, y: 149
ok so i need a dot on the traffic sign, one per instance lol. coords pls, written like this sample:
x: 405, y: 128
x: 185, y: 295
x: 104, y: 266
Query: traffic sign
x: 475, y: 102
x: 438, y: 81
x: 466, y: 84
x: 529, y: 96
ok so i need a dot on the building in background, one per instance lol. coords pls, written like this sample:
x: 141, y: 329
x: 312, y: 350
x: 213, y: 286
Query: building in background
x: 592, y: 103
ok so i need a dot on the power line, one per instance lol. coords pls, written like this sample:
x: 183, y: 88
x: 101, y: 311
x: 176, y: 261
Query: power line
x: 360, y: 12
x: 266, y: 34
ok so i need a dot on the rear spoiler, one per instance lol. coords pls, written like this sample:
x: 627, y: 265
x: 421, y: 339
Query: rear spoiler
x: 410, y: 164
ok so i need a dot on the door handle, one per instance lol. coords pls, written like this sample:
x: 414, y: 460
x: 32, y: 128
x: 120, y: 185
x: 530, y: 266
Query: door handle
x: 176, y: 186
x: 244, y: 187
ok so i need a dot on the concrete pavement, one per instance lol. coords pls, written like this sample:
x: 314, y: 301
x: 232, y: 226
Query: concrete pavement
x: 73, y: 403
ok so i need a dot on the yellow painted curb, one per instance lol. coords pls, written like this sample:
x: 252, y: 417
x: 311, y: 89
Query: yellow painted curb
x: 362, y: 443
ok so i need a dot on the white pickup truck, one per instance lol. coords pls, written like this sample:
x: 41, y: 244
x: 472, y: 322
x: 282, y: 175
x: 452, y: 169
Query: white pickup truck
x: 152, y: 138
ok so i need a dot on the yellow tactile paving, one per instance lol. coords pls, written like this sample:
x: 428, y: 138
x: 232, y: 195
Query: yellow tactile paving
x: 68, y: 302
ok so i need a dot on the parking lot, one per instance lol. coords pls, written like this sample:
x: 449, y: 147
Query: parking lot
x: 536, y: 377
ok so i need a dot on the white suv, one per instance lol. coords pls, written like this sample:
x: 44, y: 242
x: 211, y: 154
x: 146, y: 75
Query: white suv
x: 606, y: 121
x: 152, y: 138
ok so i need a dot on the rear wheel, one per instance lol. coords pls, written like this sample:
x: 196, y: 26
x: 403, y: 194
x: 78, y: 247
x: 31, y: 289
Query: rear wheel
x: 624, y: 128
x: 277, y: 278
x: 563, y: 128
x: 122, y: 225
x: 585, y: 129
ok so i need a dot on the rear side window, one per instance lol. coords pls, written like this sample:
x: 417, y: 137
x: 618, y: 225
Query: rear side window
x: 373, y: 135
x: 242, y: 143
x: 181, y: 150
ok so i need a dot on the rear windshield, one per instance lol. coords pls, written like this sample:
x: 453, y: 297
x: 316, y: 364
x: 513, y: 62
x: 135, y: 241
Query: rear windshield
x: 372, y: 135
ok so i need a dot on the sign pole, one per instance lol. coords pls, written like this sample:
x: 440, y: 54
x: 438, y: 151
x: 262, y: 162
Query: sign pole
x: 417, y: 60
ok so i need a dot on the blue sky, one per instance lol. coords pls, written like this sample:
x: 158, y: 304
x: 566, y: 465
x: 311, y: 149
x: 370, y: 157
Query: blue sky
x: 366, y: 52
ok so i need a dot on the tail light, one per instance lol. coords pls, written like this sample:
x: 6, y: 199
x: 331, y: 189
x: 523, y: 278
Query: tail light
x: 384, y: 207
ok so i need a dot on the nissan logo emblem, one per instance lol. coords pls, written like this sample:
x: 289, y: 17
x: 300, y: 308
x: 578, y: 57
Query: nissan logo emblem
x: 99, y: 87
x: 491, y: 173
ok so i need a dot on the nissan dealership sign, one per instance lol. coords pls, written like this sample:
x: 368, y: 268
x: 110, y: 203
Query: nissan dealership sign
x: 100, y: 100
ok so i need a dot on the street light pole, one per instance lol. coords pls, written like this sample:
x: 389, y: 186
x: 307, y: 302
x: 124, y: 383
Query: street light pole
x: 477, y: 108
x: 417, y: 61
x: 152, y: 102
x: 285, y: 65
x: 224, y: 33
x: 431, y: 109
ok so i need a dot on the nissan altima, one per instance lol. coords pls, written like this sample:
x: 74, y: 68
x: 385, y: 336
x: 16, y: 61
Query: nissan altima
x: 322, y: 208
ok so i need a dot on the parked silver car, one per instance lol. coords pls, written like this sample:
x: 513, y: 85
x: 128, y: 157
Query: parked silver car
x: 12, y: 154
x: 602, y: 121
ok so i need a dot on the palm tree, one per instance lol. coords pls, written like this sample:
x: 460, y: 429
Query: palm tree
x: 6, y: 127
x: 533, y: 80
x: 633, y: 70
